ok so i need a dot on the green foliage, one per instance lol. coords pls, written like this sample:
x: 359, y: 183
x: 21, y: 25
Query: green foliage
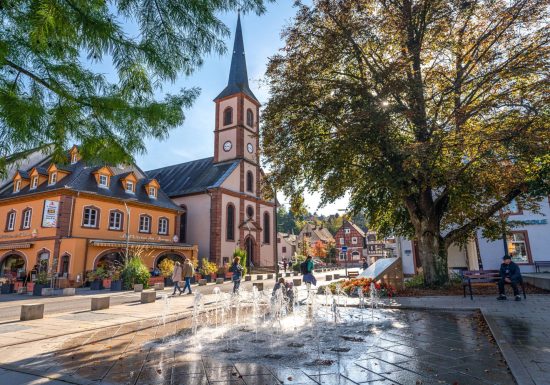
x: 166, y: 267
x: 41, y: 278
x: 416, y: 281
x: 241, y: 253
x: 299, y: 260
x: 99, y: 273
x: 134, y: 272
x: 208, y: 267
x: 286, y: 222
x: 50, y: 96
x: 430, y: 132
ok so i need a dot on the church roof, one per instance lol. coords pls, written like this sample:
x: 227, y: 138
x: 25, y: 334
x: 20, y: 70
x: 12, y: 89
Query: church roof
x: 192, y: 177
x: 238, y: 76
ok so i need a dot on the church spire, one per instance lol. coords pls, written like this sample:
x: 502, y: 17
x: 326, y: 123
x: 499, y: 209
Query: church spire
x: 238, y: 76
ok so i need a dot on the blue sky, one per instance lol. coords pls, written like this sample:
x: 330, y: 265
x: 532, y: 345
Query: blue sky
x: 195, y: 138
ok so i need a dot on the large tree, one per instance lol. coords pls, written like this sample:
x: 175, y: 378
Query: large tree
x: 432, y: 114
x: 52, y: 96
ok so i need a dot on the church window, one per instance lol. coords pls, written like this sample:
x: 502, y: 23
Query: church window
x: 249, y: 118
x: 227, y: 116
x: 267, y: 228
x: 249, y: 181
x: 249, y: 212
x: 230, y: 230
x: 183, y: 225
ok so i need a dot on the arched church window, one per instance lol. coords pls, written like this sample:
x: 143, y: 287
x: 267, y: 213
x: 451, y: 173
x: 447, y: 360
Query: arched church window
x: 249, y: 181
x: 249, y: 118
x: 230, y: 225
x: 267, y: 228
x: 227, y: 116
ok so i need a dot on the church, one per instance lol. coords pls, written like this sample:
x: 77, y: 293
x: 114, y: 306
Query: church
x: 223, y: 200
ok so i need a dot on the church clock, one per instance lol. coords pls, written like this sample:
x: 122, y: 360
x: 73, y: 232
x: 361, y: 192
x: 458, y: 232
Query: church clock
x: 227, y: 146
x: 250, y: 147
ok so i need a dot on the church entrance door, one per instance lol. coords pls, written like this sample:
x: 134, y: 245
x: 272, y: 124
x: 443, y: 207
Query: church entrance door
x: 249, y: 252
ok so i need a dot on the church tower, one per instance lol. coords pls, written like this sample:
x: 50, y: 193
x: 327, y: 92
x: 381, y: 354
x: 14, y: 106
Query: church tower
x: 237, y: 111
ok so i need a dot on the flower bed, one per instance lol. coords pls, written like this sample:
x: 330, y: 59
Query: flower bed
x: 351, y: 287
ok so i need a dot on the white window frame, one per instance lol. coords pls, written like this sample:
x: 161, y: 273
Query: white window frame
x: 115, y: 224
x: 87, y: 223
x: 163, y: 226
x: 347, y: 231
x: 342, y: 256
x: 153, y: 192
x: 103, y: 178
x: 34, y: 182
x: 17, y: 185
x: 144, y: 220
x: 74, y: 158
x: 10, y: 226
x: 353, y: 240
x: 342, y: 241
x: 129, y: 186
x: 52, y: 179
x: 513, y: 241
x: 355, y: 255
x: 27, y: 215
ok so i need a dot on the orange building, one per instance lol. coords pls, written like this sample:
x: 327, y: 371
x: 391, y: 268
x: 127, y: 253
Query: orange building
x: 66, y: 218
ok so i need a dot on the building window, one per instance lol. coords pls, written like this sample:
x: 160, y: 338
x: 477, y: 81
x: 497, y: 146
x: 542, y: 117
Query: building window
x: 267, y: 229
x: 91, y: 217
x: 230, y: 225
x: 53, y: 178
x: 227, y: 116
x: 355, y: 255
x: 74, y: 158
x: 144, y: 224
x: 342, y: 242
x: 129, y: 187
x: 183, y: 225
x: 115, y: 220
x: 353, y: 240
x: 513, y: 208
x: 342, y: 256
x: 163, y: 226
x: 249, y: 118
x: 103, y: 181
x: 249, y: 212
x: 518, y: 247
x: 43, y: 260
x: 346, y: 231
x: 249, y: 181
x: 152, y: 192
x: 284, y: 249
x: 26, y: 222
x: 10, y: 221
x: 17, y: 186
x: 64, y: 270
x: 34, y: 183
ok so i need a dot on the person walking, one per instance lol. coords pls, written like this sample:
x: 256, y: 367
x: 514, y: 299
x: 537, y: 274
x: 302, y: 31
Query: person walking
x: 176, y: 277
x: 509, y: 273
x: 365, y: 264
x: 188, y: 272
x: 307, y: 271
x: 285, y: 264
x: 237, y: 271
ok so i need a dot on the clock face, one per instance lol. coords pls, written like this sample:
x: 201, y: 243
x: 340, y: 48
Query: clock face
x: 227, y: 146
x: 250, y: 147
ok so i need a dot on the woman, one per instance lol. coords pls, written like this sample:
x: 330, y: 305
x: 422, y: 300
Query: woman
x: 176, y: 277
x: 237, y: 271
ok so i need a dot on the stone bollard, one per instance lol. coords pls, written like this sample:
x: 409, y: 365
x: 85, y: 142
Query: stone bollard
x: 100, y: 303
x: 259, y: 285
x: 296, y: 273
x: 32, y: 311
x: 247, y: 277
x: 288, y: 274
x: 69, y: 291
x: 47, y: 291
x: 202, y: 282
x: 138, y: 287
x: 148, y: 296
x: 270, y: 276
x: 336, y: 276
x: 219, y: 280
x: 159, y: 286
x: 259, y: 277
x: 297, y: 282
x: 328, y: 277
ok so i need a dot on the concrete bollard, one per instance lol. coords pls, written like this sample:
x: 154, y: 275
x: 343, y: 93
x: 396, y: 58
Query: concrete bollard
x: 336, y: 276
x: 247, y: 277
x: 288, y: 274
x: 148, y: 296
x: 259, y: 277
x: 270, y: 276
x: 296, y: 273
x: 47, y: 291
x: 297, y: 282
x: 100, y: 303
x: 138, y: 287
x: 159, y: 286
x: 32, y: 311
x: 202, y: 282
x: 259, y: 285
x: 219, y: 280
x: 69, y: 291
x: 328, y: 277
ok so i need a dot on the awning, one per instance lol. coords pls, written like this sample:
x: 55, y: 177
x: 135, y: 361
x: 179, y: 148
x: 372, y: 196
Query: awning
x: 153, y: 245
x: 11, y: 246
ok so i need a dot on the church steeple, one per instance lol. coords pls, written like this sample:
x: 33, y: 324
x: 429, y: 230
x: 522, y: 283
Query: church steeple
x: 238, y: 76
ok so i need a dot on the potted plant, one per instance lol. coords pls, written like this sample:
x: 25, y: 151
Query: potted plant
x: 166, y: 267
x: 209, y: 270
x: 40, y: 283
x: 116, y: 282
x: 7, y: 286
x: 134, y: 272
x: 96, y: 278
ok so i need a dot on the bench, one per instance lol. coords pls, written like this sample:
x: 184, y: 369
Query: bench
x: 353, y: 273
x: 482, y: 278
x: 539, y: 264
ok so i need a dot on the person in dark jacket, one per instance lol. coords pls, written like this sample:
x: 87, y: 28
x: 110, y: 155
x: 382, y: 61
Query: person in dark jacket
x: 509, y: 273
x: 237, y: 271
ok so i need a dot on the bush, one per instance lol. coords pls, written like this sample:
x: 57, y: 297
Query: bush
x: 299, y: 260
x: 415, y: 282
x: 352, y: 286
x: 166, y: 267
x: 134, y: 272
x: 208, y: 267
x: 241, y: 253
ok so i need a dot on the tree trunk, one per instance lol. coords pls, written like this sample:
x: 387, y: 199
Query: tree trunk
x: 433, y: 255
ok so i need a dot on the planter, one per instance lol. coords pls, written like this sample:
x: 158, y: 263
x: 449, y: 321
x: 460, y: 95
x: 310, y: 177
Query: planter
x: 96, y: 284
x: 6, y: 288
x: 116, y: 285
x: 197, y: 277
x: 37, y: 289
x: 107, y: 283
x: 208, y: 278
x: 168, y: 281
x: 213, y: 277
x: 194, y: 279
x: 228, y: 275
x: 154, y: 280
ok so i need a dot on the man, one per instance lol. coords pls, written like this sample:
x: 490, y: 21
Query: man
x: 237, y: 271
x: 176, y: 277
x: 188, y: 273
x: 509, y: 273
x: 365, y: 264
x: 285, y: 264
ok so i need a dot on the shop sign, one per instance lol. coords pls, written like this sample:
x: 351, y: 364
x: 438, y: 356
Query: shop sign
x: 50, y: 214
x: 530, y: 222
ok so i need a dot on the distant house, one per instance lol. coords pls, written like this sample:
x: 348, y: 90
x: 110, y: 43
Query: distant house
x: 312, y: 233
x: 351, y: 236
x: 286, y: 245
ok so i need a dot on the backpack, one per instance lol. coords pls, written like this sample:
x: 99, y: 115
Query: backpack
x: 303, y: 268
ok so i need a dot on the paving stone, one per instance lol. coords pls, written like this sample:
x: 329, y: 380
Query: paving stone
x: 261, y: 379
x: 190, y: 380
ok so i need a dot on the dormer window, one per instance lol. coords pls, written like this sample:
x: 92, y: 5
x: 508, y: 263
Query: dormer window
x: 152, y: 193
x: 74, y: 158
x: 53, y: 178
x: 17, y: 185
x: 103, y: 181
x: 34, y: 183
x: 130, y: 187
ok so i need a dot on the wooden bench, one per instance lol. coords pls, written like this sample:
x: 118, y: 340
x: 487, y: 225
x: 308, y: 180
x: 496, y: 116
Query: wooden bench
x: 353, y: 273
x: 482, y: 278
x: 539, y: 264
